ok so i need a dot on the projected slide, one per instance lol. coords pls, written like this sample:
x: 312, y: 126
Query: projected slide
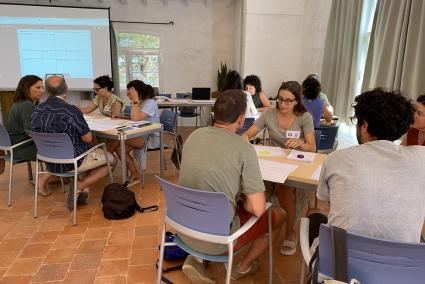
x: 66, y: 52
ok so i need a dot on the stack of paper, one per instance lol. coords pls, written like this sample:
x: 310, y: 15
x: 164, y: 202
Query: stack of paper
x: 275, y: 171
x: 301, y: 156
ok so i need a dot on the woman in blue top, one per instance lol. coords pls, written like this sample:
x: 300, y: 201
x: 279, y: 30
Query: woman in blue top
x: 312, y: 102
x: 143, y: 107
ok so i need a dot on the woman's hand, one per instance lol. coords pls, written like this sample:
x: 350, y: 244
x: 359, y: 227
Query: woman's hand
x: 133, y: 95
x: 294, y: 143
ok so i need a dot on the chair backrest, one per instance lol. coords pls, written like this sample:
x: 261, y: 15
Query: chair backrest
x: 165, y: 95
x: 317, y: 136
x: 247, y: 124
x: 168, y: 119
x: 183, y: 95
x: 4, y: 137
x: 372, y: 260
x: 53, y: 145
x: 202, y: 211
x: 328, y: 136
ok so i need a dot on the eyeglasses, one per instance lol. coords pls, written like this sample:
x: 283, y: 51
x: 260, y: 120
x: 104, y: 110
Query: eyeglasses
x: 353, y: 120
x: 96, y: 89
x: 286, y: 101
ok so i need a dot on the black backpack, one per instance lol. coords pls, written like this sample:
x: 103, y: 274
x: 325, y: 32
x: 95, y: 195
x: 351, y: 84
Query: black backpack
x: 120, y: 203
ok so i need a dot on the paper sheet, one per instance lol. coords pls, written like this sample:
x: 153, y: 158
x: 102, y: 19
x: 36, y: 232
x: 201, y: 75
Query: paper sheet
x: 268, y: 151
x: 275, y: 171
x: 98, y: 126
x: 301, y: 156
x: 316, y: 173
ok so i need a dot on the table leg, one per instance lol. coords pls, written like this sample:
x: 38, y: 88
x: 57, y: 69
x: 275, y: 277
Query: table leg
x: 121, y: 137
x: 161, y: 154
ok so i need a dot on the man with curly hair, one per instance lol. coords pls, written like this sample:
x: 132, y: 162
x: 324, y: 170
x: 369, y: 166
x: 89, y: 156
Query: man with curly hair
x: 377, y: 188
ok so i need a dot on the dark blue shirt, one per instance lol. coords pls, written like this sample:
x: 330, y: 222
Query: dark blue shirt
x: 57, y: 116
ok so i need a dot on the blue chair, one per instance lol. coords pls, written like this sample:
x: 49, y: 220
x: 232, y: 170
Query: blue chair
x: 168, y: 119
x: 6, y: 145
x: 188, y: 111
x: 57, y: 148
x: 204, y: 216
x: 372, y: 260
x: 328, y: 138
x: 317, y: 137
x: 247, y: 124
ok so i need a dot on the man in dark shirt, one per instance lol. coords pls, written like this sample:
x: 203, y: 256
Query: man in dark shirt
x: 55, y: 115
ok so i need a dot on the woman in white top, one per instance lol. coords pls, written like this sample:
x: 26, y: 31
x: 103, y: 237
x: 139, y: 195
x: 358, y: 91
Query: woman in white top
x: 108, y: 103
x: 143, y: 107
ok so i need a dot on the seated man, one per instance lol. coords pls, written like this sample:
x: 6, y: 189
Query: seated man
x: 55, y: 115
x: 377, y: 188
x: 232, y: 168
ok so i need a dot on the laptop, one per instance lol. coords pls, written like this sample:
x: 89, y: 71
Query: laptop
x: 201, y: 94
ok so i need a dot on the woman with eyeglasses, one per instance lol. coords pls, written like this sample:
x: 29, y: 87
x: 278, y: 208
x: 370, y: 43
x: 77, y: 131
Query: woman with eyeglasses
x: 288, y: 119
x: 108, y: 103
x: 416, y: 134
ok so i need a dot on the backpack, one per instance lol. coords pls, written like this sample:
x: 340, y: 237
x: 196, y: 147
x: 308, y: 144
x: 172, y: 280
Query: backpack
x: 176, y: 155
x: 120, y: 203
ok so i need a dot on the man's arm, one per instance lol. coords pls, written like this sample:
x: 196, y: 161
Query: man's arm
x: 255, y: 203
x: 87, y: 137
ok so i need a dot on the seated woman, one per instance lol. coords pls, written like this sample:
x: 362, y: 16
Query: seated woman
x: 252, y: 84
x: 416, y: 134
x: 289, y: 115
x: 143, y: 107
x: 27, y: 95
x: 312, y: 102
x: 108, y: 103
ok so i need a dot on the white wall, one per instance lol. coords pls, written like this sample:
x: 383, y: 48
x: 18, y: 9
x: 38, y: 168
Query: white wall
x: 202, y: 36
x: 283, y: 40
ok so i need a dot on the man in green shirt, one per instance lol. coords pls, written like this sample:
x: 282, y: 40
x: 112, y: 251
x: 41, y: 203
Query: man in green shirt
x: 232, y: 168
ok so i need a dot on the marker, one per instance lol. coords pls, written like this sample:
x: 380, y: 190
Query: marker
x: 300, y: 156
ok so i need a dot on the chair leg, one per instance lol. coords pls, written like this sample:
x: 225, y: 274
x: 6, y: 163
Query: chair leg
x: 302, y: 272
x: 105, y: 152
x: 161, y: 256
x: 75, y: 196
x: 30, y: 177
x: 63, y: 185
x: 36, y: 189
x: 270, y: 246
x: 143, y: 178
x: 229, y: 264
x: 9, y: 200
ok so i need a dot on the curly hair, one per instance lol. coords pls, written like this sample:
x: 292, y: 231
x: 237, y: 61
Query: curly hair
x: 144, y: 91
x: 295, y: 89
x: 22, y: 91
x: 388, y: 114
x: 253, y: 80
x: 311, y: 87
x: 104, y: 81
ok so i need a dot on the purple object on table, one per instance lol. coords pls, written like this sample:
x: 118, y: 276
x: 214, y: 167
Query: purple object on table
x: 300, y: 156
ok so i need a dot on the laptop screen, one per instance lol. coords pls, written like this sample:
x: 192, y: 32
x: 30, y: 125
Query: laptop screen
x: 201, y: 93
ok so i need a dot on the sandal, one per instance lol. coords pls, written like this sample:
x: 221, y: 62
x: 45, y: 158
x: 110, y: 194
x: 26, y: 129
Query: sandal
x: 133, y: 181
x: 288, y: 247
x: 44, y: 191
x: 236, y: 274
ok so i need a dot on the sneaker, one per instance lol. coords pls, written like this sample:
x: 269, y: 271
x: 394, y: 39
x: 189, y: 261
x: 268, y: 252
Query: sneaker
x: 70, y: 198
x: 83, y: 198
x: 195, y: 271
x: 236, y: 274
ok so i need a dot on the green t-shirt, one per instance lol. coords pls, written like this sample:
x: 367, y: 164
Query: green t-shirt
x: 218, y: 160
x: 268, y: 118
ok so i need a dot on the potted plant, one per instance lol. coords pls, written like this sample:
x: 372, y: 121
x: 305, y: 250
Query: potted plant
x: 221, y: 77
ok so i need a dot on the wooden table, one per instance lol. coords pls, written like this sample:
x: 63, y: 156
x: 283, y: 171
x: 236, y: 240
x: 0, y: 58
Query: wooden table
x: 301, y: 176
x: 136, y: 132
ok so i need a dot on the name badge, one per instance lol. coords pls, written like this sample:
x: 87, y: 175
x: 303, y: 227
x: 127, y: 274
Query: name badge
x: 293, y: 134
x: 107, y: 108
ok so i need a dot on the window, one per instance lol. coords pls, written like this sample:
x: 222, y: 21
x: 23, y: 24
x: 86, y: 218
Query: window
x: 138, y: 58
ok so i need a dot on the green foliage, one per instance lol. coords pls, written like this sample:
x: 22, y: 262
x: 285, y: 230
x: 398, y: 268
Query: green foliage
x: 132, y: 40
x: 221, y: 75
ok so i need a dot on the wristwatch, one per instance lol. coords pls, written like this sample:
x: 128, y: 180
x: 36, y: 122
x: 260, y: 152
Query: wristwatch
x: 135, y: 103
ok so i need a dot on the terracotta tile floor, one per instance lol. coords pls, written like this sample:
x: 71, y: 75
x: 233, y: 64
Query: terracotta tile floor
x: 50, y: 249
